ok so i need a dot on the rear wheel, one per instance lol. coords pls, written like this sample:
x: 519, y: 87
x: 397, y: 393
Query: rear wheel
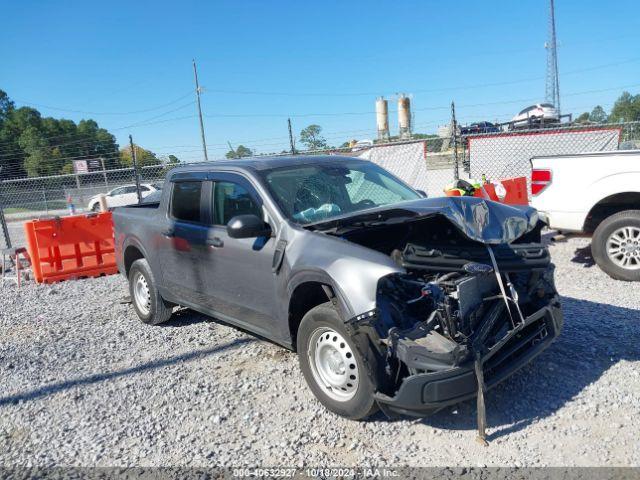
x: 147, y: 302
x: 332, y: 365
x: 616, y: 245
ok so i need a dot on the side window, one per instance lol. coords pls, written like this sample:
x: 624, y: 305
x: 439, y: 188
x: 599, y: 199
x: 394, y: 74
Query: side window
x: 231, y: 199
x: 117, y: 191
x: 143, y: 188
x: 185, y: 201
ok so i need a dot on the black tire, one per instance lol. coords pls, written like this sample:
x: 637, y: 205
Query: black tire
x: 626, y: 218
x: 362, y: 404
x: 156, y: 310
x: 96, y: 207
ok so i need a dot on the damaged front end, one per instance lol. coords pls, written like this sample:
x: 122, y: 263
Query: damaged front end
x: 464, y: 314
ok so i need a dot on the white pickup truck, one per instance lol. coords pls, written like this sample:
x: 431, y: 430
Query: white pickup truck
x: 594, y: 193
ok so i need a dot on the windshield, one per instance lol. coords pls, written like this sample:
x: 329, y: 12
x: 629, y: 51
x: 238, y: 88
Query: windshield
x: 312, y: 193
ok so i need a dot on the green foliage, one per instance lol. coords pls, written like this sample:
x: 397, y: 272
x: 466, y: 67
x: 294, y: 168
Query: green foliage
x: 582, y: 118
x: 35, y: 146
x: 598, y: 115
x: 626, y: 108
x: 421, y: 136
x: 239, y: 152
x: 144, y: 158
x: 311, y: 137
x: 173, y: 160
x: 6, y: 106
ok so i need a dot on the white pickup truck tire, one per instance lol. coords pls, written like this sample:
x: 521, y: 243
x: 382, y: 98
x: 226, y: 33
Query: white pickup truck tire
x: 616, y: 245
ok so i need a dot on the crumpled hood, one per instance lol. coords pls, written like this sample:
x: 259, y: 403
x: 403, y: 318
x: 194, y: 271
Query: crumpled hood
x: 478, y: 219
x: 486, y: 221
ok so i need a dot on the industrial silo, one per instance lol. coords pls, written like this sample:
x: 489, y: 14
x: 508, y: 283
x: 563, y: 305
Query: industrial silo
x: 382, y: 119
x: 404, y: 116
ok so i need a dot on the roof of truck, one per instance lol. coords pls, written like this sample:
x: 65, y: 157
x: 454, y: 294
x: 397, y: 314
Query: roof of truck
x: 265, y: 163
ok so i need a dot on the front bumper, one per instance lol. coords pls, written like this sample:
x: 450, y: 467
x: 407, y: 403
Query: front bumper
x: 426, y: 393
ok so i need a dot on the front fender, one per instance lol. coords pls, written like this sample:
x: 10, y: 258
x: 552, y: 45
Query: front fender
x: 351, y: 270
x: 320, y: 276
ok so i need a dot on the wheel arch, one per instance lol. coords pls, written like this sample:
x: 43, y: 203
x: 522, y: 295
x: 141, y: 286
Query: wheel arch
x: 131, y: 252
x: 610, y: 205
x: 308, y: 290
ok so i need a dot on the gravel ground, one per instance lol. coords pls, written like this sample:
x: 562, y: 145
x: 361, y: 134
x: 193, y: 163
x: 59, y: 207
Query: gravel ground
x: 85, y: 383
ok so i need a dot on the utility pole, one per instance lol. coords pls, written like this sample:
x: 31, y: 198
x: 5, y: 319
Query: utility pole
x: 134, y: 162
x: 454, y: 137
x: 235, y: 154
x: 104, y: 171
x: 204, y: 142
x: 3, y: 222
x: 291, y: 142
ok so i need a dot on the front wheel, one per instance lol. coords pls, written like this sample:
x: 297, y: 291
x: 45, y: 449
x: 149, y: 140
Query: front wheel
x: 616, y: 245
x: 332, y: 365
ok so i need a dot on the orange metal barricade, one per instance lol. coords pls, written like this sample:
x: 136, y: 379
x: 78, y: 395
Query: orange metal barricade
x: 515, y: 188
x: 64, y: 248
x: 517, y: 192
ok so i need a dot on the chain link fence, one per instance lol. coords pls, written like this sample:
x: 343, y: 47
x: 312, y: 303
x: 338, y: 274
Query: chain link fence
x: 427, y: 164
x: 508, y: 154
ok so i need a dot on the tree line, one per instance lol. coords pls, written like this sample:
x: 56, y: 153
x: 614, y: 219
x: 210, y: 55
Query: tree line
x: 311, y: 137
x: 625, y: 109
x: 32, y: 145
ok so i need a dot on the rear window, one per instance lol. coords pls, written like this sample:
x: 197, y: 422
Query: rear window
x: 185, y: 201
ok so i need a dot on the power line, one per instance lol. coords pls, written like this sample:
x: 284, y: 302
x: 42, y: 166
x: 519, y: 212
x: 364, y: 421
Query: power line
x: 145, y: 122
x: 369, y: 112
x: 432, y: 90
x: 34, y: 104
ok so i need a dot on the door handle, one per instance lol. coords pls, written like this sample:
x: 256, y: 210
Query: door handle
x: 215, y: 242
x: 169, y: 233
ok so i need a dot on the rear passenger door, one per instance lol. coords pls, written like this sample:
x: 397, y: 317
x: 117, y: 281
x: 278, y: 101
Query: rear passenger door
x: 182, y: 239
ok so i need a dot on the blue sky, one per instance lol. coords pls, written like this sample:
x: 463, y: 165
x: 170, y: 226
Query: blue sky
x: 319, y: 62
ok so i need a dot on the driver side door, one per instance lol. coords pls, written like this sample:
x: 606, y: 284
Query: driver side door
x: 241, y: 283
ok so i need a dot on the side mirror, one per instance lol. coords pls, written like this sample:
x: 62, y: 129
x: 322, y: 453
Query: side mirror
x: 247, y: 226
x: 422, y: 192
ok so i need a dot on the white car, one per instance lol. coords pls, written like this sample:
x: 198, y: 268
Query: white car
x: 121, y: 196
x: 535, y: 114
x: 595, y: 194
x: 361, y: 145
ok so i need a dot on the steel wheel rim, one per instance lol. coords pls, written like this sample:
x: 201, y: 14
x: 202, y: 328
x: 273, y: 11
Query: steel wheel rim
x: 141, y: 293
x: 333, y: 364
x: 623, y: 247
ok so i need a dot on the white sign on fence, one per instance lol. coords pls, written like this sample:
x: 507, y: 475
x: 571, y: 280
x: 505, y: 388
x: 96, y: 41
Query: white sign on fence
x: 80, y: 166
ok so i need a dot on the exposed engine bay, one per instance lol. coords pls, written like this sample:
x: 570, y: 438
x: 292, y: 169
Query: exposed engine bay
x: 481, y: 308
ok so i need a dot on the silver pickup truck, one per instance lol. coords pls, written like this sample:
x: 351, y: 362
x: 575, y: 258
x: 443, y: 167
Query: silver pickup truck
x: 391, y: 300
